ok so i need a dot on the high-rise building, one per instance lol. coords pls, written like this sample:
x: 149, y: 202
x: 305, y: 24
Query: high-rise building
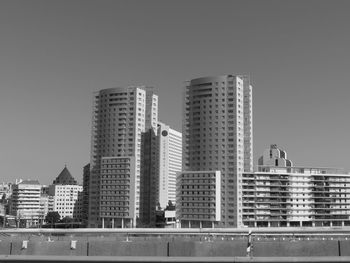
x: 161, y: 161
x: 217, y: 136
x: 149, y: 184
x: 120, y: 116
x: 170, y: 163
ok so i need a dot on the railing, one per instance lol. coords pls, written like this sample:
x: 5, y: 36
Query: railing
x: 316, y: 171
x: 103, y: 259
x: 270, y: 231
x: 215, y: 245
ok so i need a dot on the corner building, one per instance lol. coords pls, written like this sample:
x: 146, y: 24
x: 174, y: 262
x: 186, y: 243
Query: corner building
x: 120, y: 116
x: 217, y: 136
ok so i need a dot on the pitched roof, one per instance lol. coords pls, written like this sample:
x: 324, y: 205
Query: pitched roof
x: 65, y: 178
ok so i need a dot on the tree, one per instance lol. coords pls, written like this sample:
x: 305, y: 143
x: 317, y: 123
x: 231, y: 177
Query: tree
x: 67, y: 219
x: 170, y: 206
x: 3, y: 199
x: 52, y: 218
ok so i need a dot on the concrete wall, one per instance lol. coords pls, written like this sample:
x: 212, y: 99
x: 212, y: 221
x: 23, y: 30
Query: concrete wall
x: 49, y: 248
x: 300, y: 248
x: 108, y: 248
x: 173, y: 247
x: 344, y: 248
x: 5, y: 247
x: 235, y: 248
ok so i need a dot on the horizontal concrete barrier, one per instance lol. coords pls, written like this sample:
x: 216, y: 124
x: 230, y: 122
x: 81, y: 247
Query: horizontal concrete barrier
x: 29, y: 247
x: 5, y: 247
x: 300, y: 248
x: 108, y: 248
x: 344, y: 248
x: 236, y: 248
x: 159, y: 247
x: 84, y: 259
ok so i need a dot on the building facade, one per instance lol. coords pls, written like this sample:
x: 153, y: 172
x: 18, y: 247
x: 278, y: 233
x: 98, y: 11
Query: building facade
x: 281, y: 195
x: 161, y: 161
x: 199, y: 199
x: 66, y: 196
x: 217, y: 136
x: 25, y: 203
x: 46, y: 202
x: 149, y: 184
x: 120, y: 116
x: 5, y: 190
x: 117, y: 196
x: 170, y: 163
x: 85, y: 194
x: 66, y: 201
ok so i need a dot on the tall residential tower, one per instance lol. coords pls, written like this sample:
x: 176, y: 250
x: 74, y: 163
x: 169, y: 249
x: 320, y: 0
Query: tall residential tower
x: 120, y: 116
x: 217, y: 138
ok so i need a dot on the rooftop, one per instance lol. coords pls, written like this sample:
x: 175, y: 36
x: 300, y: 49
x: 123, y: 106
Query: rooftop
x: 65, y: 178
x: 299, y: 170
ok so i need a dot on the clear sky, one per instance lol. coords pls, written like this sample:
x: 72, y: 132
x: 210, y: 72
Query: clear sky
x: 54, y: 54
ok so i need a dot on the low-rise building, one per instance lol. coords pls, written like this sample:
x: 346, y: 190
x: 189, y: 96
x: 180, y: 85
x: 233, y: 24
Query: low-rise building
x: 66, y: 196
x: 117, y: 192
x: 198, y: 201
x: 287, y: 196
x: 25, y: 203
x: 5, y: 190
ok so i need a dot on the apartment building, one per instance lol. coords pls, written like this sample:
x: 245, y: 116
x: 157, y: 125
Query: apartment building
x: 117, y: 192
x: 217, y: 136
x: 120, y: 116
x: 199, y: 199
x: 25, y: 203
x: 281, y: 195
x: 66, y: 196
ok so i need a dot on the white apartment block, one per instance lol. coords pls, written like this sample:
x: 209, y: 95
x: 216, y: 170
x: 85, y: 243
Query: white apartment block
x: 217, y: 136
x: 66, y: 200
x: 25, y: 202
x: 170, y: 163
x: 199, y: 199
x: 120, y: 116
x: 281, y: 195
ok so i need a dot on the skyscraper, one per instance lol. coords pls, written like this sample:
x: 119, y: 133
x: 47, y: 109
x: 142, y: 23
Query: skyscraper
x: 217, y: 136
x: 161, y: 161
x: 170, y: 162
x: 120, y: 116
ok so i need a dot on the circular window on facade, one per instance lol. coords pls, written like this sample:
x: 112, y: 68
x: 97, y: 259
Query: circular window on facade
x: 164, y: 133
